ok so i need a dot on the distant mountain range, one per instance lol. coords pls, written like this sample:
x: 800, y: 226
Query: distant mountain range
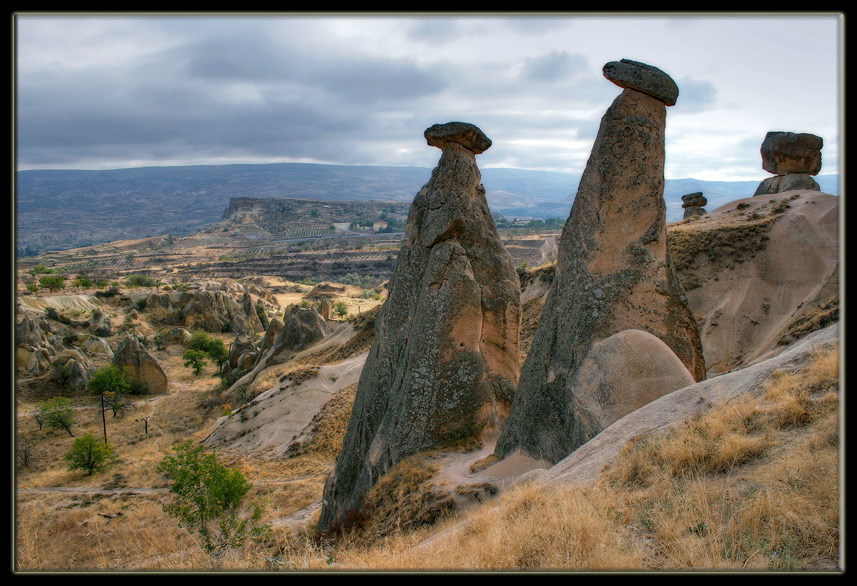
x: 60, y: 209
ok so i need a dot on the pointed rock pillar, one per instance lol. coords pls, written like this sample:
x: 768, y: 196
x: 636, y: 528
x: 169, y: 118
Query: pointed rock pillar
x: 614, y: 274
x: 444, y: 363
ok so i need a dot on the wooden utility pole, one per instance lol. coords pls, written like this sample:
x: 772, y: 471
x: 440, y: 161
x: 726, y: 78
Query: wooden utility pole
x: 103, y: 419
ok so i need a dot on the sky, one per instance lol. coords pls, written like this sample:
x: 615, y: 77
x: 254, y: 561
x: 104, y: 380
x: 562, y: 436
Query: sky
x: 99, y: 91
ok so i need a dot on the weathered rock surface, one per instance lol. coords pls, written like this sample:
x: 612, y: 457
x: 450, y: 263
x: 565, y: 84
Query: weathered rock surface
x: 141, y: 367
x: 790, y: 152
x: 693, y: 204
x: 793, y: 158
x: 242, y: 356
x: 614, y: 273
x: 790, y: 182
x: 444, y: 362
x: 643, y: 78
x: 100, y: 323
x: 302, y: 328
x: 27, y: 331
x: 71, y: 369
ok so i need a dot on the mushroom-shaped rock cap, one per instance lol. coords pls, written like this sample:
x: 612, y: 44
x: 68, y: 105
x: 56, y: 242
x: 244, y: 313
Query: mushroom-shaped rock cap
x: 643, y: 78
x: 693, y: 200
x: 462, y: 133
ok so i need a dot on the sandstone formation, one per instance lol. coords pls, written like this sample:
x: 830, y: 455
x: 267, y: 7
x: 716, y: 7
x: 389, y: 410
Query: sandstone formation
x: 242, y: 356
x: 140, y: 366
x: 614, y: 275
x: 758, y: 272
x: 213, y: 306
x: 71, y: 369
x: 100, y: 323
x: 301, y: 328
x: 793, y: 158
x: 444, y: 362
x: 28, y: 332
x: 693, y: 204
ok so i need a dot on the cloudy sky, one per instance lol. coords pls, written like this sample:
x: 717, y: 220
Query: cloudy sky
x: 104, y: 92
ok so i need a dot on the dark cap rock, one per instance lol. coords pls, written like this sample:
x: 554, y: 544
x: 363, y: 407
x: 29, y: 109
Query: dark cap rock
x: 692, y: 200
x: 790, y: 152
x: 463, y: 133
x: 643, y: 78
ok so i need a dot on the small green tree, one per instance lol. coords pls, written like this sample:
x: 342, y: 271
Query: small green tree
x: 217, y: 353
x: 57, y: 413
x: 90, y: 454
x: 208, y: 498
x: 340, y: 309
x: 199, y: 340
x: 82, y: 281
x: 195, y: 359
x: 108, y: 379
x: 52, y: 282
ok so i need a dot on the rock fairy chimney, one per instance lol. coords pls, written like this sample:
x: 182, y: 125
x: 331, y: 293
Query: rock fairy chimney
x: 793, y: 159
x: 615, y: 331
x: 444, y: 363
x: 693, y: 204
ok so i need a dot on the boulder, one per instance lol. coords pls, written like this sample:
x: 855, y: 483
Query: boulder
x: 95, y: 346
x: 178, y: 336
x: 790, y: 182
x: 28, y: 332
x: 39, y: 361
x: 242, y: 355
x: 100, y: 323
x: 71, y: 369
x: 693, y: 204
x: 642, y: 78
x: 444, y: 361
x: 614, y: 273
x: 789, y: 152
x: 141, y: 367
x: 302, y: 326
x: 622, y: 373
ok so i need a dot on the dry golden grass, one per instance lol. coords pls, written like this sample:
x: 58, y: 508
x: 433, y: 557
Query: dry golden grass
x: 752, y: 485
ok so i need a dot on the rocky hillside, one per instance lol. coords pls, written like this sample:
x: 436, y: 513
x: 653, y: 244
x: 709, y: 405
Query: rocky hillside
x: 56, y: 209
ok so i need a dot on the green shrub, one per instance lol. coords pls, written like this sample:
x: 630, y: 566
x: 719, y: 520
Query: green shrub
x: 90, y: 454
x: 194, y: 359
x: 108, y: 379
x: 57, y: 413
x: 208, y: 498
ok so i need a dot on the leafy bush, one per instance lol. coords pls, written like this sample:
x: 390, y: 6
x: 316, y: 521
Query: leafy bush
x: 208, y: 498
x: 57, y: 413
x: 140, y: 281
x: 108, y: 379
x: 52, y: 282
x: 90, y: 454
x: 194, y: 359
x: 111, y: 292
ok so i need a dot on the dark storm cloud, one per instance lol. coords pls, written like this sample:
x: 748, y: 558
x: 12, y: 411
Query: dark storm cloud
x: 234, y: 95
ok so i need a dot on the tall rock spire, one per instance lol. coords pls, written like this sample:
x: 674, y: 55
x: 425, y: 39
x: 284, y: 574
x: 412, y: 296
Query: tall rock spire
x: 444, y: 362
x: 614, y: 283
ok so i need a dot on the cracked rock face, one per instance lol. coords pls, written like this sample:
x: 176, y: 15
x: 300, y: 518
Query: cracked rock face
x: 444, y: 363
x: 793, y: 158
x: 614, y: 274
